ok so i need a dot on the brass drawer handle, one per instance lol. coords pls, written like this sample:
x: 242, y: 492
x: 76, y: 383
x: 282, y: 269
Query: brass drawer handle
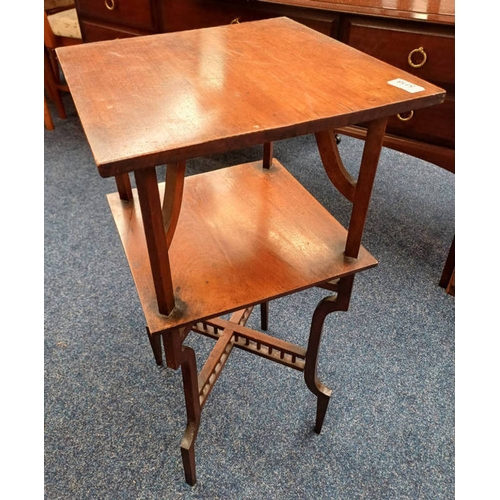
x: 407, y: 117
x: 110, y: 4
x: 421, y: 51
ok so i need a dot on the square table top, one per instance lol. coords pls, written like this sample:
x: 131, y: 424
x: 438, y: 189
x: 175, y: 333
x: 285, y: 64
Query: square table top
x: 150, y: 100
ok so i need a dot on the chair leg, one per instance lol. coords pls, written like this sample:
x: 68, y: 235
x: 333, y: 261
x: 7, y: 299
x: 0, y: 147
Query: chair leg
x: 338, y: 302
x: 51, y: 86
x: 47, y: 118
x: 193, y: 411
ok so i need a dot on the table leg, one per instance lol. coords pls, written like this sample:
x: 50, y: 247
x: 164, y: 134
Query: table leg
x: 149, y: 198
x: 267, y: 158
x: 193, y: 410
x: 337, y: 302
x: 124, y: 187
x: 159, y: 226
x: 155, y: 341
x: 358, y: 192
x: 364, y: 186
x: 264, y: 315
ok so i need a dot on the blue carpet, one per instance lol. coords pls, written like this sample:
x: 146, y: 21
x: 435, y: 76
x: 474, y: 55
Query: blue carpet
x: 114, y: 420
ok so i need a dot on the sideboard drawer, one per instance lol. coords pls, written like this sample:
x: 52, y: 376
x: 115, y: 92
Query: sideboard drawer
x: 96, y: 32
x: 190, y: 14
x: 433, y: 125
x: 319, y: 20
x: 193, y: 14
x: 410, y: 31
x: 427, y: 52
x: 131, y: 13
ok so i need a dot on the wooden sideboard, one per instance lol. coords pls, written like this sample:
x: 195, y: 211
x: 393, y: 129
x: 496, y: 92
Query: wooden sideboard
x: 415, y: 35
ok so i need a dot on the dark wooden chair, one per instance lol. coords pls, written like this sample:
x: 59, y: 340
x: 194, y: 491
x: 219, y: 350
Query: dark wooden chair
x: 61, y: 28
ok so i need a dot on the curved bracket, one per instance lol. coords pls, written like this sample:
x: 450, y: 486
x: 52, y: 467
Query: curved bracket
x: 333, y: 165
x: 172, y: 197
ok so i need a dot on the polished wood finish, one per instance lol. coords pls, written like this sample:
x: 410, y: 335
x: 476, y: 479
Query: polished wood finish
x: 258, y: 261
x: 386, y: 29
x: 137, y: 15
x: 427, y: 51
x: 242, y: 102
x: 389, y: 30
x: 432, y: 11
x: 224, y: 241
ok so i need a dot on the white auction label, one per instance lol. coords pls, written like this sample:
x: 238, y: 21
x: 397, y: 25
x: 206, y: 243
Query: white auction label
x: 405, y: 85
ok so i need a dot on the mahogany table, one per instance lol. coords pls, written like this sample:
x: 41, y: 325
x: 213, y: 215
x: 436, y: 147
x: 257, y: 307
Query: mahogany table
x: 203, y: 246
